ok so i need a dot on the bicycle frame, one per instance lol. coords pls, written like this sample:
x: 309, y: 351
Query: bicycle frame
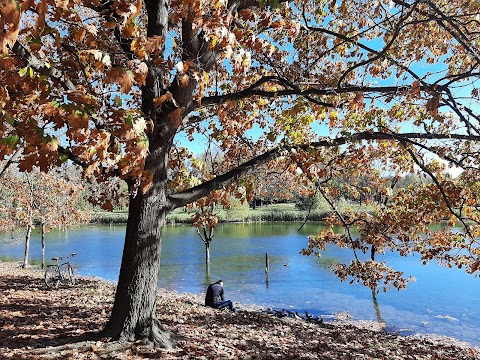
x: 60, y: 273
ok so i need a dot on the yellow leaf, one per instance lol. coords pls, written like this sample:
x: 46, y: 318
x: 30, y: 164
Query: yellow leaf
x: 206, y: 78
x: 52, y: 145
x: 139, y: 125
x: 333, y: 116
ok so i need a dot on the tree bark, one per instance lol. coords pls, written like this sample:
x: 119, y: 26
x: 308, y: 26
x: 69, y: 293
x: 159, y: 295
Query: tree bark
x: 43, y: 245
x: 207, y: 253
x: 133, y: 314
x: 27, y: 245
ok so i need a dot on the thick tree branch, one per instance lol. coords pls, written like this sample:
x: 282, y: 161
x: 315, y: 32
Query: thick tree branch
x: 185, y: 197
x: 28, y: 59
x: 250, y: 92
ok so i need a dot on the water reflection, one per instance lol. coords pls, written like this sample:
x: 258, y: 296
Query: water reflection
x: 442, y: 301
x: 377, y: 307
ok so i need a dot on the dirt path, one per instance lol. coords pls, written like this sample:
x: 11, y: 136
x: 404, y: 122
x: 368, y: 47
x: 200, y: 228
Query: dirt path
x: 37, y: 323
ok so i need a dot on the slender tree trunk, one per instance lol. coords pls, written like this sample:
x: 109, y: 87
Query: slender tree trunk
x: 27, y: 245
x: 207, y: 253
x: 207, y: 274
x: 43, y: 245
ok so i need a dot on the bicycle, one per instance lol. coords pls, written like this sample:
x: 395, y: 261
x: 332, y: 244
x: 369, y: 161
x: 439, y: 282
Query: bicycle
x: 60, y: 273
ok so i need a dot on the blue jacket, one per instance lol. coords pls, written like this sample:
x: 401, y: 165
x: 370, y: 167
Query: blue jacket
x: 214, y: 295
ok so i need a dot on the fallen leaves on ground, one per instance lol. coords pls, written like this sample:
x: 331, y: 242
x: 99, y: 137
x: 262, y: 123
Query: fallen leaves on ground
x: 38, y: 323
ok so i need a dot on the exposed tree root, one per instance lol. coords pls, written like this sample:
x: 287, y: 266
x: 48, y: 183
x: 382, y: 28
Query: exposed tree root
x: 151, y: 333
x: 155, y: 334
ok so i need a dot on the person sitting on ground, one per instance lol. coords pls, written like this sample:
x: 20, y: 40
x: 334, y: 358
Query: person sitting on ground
x: 215, y: 297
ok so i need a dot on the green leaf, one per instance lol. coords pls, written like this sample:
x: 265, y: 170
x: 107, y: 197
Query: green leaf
x: 274, y: 4
x: 89, y: 108
x: 23, y: 71
x: 11, y: 140
x: 63, y: 158
x: 10, y: 119
x: 129, y: 119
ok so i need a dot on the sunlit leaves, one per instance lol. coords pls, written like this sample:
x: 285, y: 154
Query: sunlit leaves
x: 372, y: 274
x: 123, y: 77
x: 46, y: 198
x: 9, y: 23
x: 154, y: 45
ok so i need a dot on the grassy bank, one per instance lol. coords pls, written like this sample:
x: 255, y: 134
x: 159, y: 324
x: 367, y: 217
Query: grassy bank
x: 242, y: 213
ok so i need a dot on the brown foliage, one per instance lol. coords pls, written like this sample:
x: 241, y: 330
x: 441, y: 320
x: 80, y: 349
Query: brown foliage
x: 38, y: 323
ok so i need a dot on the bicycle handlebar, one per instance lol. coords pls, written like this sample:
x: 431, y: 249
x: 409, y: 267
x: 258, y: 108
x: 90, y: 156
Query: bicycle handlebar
x: 64, y: 257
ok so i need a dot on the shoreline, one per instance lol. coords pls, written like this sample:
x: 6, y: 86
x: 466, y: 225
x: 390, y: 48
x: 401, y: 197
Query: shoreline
x: 43, y: 324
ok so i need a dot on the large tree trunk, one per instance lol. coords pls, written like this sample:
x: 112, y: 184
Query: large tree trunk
x: 133, y: 314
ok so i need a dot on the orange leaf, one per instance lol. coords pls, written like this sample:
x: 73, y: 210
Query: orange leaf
x: 80, y: 35
x: 121, y: 76
x: 184, y: 80
x: 154, y: 44
x: 140, y: 73
x: 9, y: 23
x: 176, y: 116
x: 158, y: 102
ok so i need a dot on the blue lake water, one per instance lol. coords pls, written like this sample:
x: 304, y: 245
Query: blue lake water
x: 442, y: 301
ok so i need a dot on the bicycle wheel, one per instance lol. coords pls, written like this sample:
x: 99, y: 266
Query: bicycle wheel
x: 66, y: 274
x: 71, y: 275
x: 52, y: 276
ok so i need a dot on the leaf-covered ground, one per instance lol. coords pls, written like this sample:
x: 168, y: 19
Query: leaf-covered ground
x: 37, y: 323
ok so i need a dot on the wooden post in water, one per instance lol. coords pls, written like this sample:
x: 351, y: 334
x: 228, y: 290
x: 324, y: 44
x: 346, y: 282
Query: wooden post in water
x: 266, y: 269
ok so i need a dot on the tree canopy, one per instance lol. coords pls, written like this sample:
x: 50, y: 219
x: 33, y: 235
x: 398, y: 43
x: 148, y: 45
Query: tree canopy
x: 321, y: 89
